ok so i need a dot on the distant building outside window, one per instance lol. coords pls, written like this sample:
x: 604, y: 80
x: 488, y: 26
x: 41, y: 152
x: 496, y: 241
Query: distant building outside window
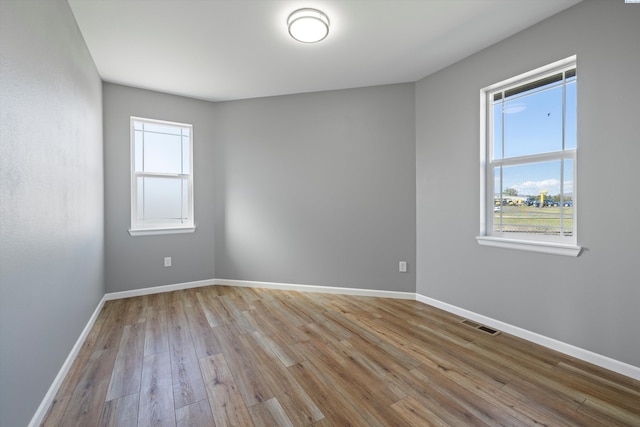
x: 528, y: 161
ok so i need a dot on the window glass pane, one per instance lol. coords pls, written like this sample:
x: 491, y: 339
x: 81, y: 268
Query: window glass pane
x: 185, y: 199
x: 159, y: 128
x: 533, y: 123
x: 571, y: 123
x: 161, y: 198
x: 530, y: 178
x: 161, y: 149
x: 140, y: 199
x: 138, y: 147
x: 531, y: 202
x: 567, y: 199
x: 497, y: 200
x: 185, y: 155
x: 162, y: 153
x: 497, y: 130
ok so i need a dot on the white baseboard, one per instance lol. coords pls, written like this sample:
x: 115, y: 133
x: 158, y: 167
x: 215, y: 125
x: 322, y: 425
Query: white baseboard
x: 319, y: 289
x: 580, y: 353
x: 41, y: 412
x: 568, y: 349
x: 158, y: 289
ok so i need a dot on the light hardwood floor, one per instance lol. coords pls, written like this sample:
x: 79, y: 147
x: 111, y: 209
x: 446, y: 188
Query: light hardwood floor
x: 222, y: 356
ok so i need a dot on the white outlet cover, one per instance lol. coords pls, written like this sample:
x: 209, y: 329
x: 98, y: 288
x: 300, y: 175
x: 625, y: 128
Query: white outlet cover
x: 402, y: 266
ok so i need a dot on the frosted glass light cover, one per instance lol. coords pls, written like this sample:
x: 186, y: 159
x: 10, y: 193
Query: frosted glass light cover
x: 308, y: 25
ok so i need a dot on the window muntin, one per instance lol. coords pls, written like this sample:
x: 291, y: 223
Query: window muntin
x: 548, y: 212
x: 162, y: 180
x: 528, y: 157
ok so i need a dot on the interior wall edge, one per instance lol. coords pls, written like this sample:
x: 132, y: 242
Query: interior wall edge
x: 40, y: 413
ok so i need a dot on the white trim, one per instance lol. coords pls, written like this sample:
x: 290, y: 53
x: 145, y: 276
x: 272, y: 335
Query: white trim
x: 41, y: 412
x: 520, y: 79
x: 156, y: 231
x: 158, y: 289
x: 484, y: 198
x: 139, y: 229
x: 530, y: 245
x: 547, y: 156
x: 315, y: 288
x: 568, y: 349
x: 560, y: 245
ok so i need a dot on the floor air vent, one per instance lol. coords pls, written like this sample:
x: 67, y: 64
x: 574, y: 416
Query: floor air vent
x: 478, y: 326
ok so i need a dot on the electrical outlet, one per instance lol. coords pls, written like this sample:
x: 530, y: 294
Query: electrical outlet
x: 167, y: 261
x: 402, y: 266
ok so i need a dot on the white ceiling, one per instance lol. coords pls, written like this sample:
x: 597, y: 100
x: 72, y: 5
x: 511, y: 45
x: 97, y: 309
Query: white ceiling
x: 235, y: 49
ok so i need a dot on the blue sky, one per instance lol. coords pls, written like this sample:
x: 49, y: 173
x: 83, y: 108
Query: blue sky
x: 533, y: 124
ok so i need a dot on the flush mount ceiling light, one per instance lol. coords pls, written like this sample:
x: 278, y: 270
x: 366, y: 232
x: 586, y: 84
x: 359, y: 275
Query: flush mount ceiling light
x: 308, y: 25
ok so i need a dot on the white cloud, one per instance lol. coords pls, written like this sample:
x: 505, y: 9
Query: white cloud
x: 551, y: 186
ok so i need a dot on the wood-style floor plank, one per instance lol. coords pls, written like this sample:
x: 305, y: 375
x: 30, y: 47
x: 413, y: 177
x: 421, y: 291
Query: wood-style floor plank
x: 228, y: 356
x: 337, y: 410
x: 268, y: 414
x: 90, y: 394
x: 188, y: 386
x: 120, y: 412
x: 156, y: 338
x: 127, y: 372
x: 415, y: 414
x: 227, y: 405
x: 204, y: 340
x: 156, y: 392
x: 195, y: 415
x: 251, y: 383
x: 291, y: 396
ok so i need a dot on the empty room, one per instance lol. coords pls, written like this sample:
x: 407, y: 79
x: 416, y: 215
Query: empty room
x: 319, y: 213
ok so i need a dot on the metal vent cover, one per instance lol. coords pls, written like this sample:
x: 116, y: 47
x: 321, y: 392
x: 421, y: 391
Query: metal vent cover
x: 480, y: 327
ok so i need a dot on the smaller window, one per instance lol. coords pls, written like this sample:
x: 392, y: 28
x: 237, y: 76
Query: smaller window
x: 161, y: 177
x: 528, y: 161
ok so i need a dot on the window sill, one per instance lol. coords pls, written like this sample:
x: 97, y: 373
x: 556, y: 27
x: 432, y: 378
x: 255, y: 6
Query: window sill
x: 531, y: 246
x: 159, y: 231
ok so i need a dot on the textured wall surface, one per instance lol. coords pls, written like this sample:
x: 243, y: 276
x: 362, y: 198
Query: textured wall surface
x: 590, y: 301
x: 318, y: 189
x: 51, y: 198
x: 330, y: 189
x: 138, y: 262
x: 313, y: 189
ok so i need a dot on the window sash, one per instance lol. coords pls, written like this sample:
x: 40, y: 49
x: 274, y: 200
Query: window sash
x: 176, y: 210
x: 543, y: 79
x: 538, y: 225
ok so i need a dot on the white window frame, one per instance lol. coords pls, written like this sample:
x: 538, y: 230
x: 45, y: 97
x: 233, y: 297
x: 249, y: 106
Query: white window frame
x: 558, y: 245
x: 141, y: 228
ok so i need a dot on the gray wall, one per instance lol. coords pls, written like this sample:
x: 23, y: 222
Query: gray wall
x: 321, y: 189
x: 138, y: 262
x: 590, y: 301
x: 313, y: 189
x: 318, y: 188
x: 51, y: 198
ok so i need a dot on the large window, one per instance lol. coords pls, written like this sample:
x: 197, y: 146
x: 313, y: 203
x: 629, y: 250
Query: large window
x: 528, y: 161
x: 161, y: 177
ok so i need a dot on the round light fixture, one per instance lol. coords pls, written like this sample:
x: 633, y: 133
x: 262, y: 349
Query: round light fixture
x: 308, y: 25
